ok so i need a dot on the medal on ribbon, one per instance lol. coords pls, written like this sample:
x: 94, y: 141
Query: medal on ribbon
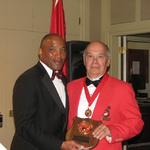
x: 90, y: 99
x: 88, y: 112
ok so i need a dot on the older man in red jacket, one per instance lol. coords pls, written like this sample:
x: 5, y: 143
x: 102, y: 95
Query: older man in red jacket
x: 106, y: 99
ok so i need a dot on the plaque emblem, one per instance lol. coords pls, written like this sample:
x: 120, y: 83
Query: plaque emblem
x: 85, y: 127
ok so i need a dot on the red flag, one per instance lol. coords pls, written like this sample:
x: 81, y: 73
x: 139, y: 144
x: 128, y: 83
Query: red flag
x: 58, y: 23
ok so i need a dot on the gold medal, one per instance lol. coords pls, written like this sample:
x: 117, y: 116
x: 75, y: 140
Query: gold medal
x: 88, y: 112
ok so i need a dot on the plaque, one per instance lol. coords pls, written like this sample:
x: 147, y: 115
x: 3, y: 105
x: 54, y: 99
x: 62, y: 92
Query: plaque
x: 81, y: 132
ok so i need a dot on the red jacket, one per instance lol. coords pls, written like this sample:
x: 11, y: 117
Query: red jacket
x: 124, y: 119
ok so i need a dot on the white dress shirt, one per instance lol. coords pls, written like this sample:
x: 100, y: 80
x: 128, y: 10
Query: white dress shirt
x: 83, y: 103
x: 57, y: 83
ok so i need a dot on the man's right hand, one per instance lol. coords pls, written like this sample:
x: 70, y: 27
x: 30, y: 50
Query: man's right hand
x: 71, y: 145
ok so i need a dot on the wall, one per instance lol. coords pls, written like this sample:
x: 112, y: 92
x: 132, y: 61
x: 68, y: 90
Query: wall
x: 123, y: 17
x: 95, y: 20
x: 22, y: 25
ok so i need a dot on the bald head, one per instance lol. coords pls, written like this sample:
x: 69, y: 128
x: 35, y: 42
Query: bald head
x: 49, y: 37
x: 97, y: 44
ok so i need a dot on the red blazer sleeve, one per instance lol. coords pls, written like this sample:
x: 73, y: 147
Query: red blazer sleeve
x: 131, y: 122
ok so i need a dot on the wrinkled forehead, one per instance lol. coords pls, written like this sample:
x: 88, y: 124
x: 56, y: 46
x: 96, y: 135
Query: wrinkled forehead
x: 96, y: 47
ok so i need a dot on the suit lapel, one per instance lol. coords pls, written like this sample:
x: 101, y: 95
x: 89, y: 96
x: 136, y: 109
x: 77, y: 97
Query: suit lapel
x: 53, y: 92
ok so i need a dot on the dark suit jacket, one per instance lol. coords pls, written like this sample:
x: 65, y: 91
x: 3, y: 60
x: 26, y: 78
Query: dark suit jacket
x: 39, y: 115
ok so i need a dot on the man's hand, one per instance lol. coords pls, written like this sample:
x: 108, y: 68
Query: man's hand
x: 71, y: 145
x: 102, y: 131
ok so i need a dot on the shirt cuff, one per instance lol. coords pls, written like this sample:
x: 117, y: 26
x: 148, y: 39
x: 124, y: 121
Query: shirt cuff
x: 109, y: 139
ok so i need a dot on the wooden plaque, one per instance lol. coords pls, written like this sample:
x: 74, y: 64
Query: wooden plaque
x: 81, y: 132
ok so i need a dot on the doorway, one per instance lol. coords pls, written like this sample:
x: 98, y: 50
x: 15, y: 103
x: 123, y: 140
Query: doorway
x: 137, y: 70
x: 137, y: 45
x: 138, y: 58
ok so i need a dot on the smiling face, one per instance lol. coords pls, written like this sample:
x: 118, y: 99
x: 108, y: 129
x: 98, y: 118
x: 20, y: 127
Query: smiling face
x: 96, y: 59
x: 53, y: 52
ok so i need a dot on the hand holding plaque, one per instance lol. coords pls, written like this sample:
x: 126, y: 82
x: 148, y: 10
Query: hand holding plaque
x: 81, y: 132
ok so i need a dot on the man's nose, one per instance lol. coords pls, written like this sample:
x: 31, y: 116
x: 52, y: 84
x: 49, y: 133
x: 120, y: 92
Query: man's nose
x: 57, y: 53
x: 95, y: 59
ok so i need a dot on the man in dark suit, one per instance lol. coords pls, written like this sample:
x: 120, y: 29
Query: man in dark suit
x: 40, y: 102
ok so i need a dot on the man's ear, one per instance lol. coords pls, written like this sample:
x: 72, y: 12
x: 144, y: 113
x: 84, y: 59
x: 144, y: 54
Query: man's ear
x: 83, y: 59
x: 108, y: 63
x: 40, y: 52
